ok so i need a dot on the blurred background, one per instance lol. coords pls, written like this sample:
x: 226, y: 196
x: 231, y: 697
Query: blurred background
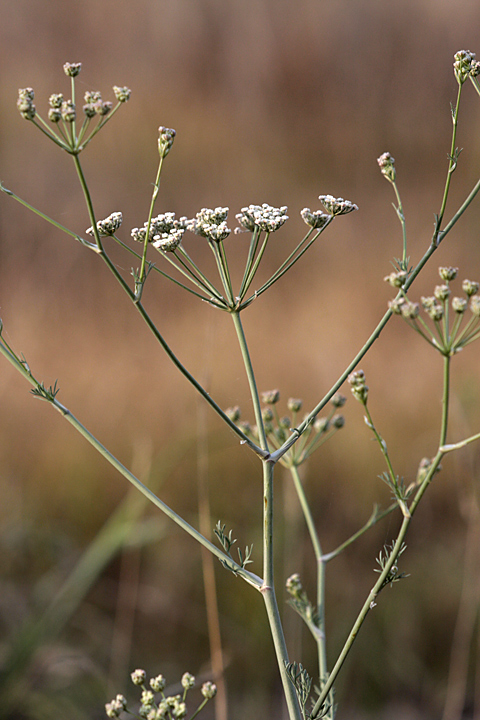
x: 276, y: 102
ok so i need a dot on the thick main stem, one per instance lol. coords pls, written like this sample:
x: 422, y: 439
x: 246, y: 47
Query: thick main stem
x: 269, y: 596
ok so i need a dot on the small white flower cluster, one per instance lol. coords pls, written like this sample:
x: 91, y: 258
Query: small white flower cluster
x: 25, y: 104
x: 114, y: 708
x: 264, y: 217
x: 465, y: 65
x: 166, y: 136
x: 315, y: 218
x: 165, y: 231
x: 337, y: 206
x: 108, y: 226
x: 211, y: 224
x: 94, y: 104
x: 387, y: 166
x: 173, y: 706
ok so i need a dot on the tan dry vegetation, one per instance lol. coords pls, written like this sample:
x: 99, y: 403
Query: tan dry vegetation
x: 272, y: 102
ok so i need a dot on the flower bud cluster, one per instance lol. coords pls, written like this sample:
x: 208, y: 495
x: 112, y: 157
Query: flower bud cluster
x: 294, y: 585
x: 25, y: 104
x: 337, y: 206
x: 94, y: 105
x: 316, y: 219
x: 166, y: 136
x: 108, y: 226
x: 465, y: 65
x: 72, y: 69
x: 262, y: 217
x: 167, y: 707
x: 166, y: 232
x: 359, y: 386
x: 387, y: 166
x: 122, y: 93
x: 278, y: 427
x: 447, y: 340
x: 211, y: 224
x: 397, y: 279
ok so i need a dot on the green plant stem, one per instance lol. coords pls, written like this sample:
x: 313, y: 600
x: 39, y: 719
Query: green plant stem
x: 269, y: 596
x: 232, y: 565
x: 370, y: 602
x: 437, y: 238
x: 156, y: 188
x: 320, y: 563
x: 251, y: 379
x: 47, y: 218
x: 452, y: 161
x: 445, y: 399
x: 100, y: 250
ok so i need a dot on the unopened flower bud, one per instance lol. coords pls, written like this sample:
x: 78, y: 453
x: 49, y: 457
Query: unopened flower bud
x: 448, y: 273
x: 294, y: 585
x: 102, y: 108
x: 267, y: 414
x: 359, y: 387
x: 337, y: 206
x: 55, y: 100
x: 475, y: 305
x: 314, y: 218
x: 54, y: 115
x: 188, y: 681
x: 459, y: 305
x: 165, y: 140
x: 233, y: 413
x: 463, y: 65
x: 270, y: 397
x: 435, y: 311
x: 321, y: 425
x: 409, y: 310
x: 68, y: 111
x: 338, y: 400
x: 147, y: 698
x: 25, y: 104
x: 138, y: 676
x: 396, y: 305
x: 470, y: 287
x: 209, y: 690
x: 72, y: 69
x: 294, y: 404
x: 122, y: 93
x: 338, y: 421
x: 396, y: 279
x: 387, y: 166
x: 157, y: 683
x: 441, y: 292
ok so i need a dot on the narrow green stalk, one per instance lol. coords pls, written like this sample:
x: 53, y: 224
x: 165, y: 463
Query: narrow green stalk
x: 320, y: 638
x: 452, y: 161
x: 437, y: 238
x: 232, y: 565
x: 445, y: 399
x: 243, y: 438
x: 370, y: 602
x: 372, y: 520
x: 401, y: 217
x: 88, y: 200
x: 47, y: 218
x: 156, y: 187
x: 269, y: 596
x: 222, y: 268
x: 251, y: 379
x: 251, y: 254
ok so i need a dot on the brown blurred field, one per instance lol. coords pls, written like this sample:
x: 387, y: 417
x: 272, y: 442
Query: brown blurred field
x: 272, y: 102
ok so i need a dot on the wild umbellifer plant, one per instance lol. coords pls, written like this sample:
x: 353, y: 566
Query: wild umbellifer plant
x: 450, y: 325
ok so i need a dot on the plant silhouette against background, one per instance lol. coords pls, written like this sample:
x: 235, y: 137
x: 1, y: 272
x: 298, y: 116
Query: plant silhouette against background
x: 290, y: 439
